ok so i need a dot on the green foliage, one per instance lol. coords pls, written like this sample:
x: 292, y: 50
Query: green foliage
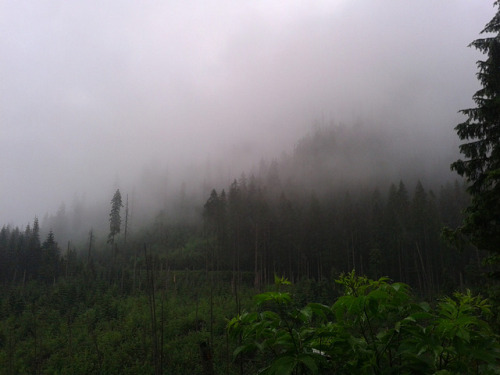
x: 374, y: 328
x: 73, y: 327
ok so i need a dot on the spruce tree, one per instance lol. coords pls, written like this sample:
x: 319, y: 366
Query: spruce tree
x: 115, y: 220
x: 49, y: 268
x: 481, y: 151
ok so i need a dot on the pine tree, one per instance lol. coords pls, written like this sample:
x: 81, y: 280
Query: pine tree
x: 481, y: 131
x: 49, y: 269
x: 34, y: 248
x: 115, y: 220
x: 6, y: 259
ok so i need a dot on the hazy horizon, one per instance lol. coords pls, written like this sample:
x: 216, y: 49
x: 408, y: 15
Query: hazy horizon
x: 97, y: 96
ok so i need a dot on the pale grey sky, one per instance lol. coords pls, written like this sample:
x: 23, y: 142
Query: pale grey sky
x: 93, y: 91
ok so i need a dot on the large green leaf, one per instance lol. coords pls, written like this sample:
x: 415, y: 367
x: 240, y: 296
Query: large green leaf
x: 309, y: 361
x: 283, y: 366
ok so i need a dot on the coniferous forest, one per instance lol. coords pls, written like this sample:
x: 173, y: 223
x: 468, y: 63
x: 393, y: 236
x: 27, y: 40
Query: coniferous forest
x: 343, y: 256
x: 158, y: 299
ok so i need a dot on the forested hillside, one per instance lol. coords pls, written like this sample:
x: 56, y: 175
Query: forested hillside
x: 165, y: 208
x: 147, y: 299
x: 310, y: 214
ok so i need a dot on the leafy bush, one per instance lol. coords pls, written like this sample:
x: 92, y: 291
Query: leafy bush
x: 374, y: 328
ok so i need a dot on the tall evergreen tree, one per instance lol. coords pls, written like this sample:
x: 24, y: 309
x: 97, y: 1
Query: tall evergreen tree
x: 49, y: 269
x: 6, y: 259
x: 481, y: 151
x: 34, y: 248
x: 115, y: 220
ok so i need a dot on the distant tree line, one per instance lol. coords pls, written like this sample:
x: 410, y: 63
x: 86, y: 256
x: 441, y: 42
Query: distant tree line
x: 397, y: 234
x: 255, y: 229
x: 24, y: 257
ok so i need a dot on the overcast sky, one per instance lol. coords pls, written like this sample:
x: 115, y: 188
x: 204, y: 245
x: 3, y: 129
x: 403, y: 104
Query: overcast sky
x: 92, y: 91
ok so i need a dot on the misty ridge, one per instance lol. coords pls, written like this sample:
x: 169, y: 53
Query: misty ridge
x: 328, y: 162
x: 144, y: 98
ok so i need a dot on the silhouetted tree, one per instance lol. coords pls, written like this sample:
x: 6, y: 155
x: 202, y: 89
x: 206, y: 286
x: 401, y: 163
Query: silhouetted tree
x: 212, y: 226
x: 481, y: 131
x: 35, y: 254
x: 6, y: 259
x: 49, y: 269
x: 376, y: 235
x: 288, y: 238
x: 115, y: 219
x: 126, y: 222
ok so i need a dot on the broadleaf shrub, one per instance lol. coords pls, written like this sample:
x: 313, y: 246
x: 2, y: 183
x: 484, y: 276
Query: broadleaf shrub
x: 376, y: 327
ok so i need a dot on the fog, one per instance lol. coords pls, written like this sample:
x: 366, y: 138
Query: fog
x: 143, y: 96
